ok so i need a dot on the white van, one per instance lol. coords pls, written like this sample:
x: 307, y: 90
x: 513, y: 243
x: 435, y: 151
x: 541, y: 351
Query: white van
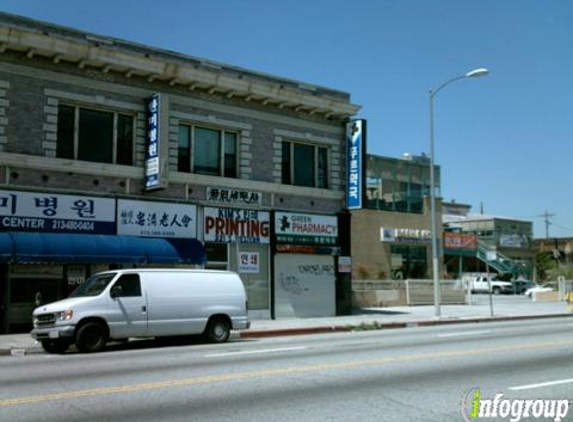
x: 116, y: 305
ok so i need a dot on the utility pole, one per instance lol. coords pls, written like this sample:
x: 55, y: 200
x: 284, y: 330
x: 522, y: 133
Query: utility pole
x: 546, y: 216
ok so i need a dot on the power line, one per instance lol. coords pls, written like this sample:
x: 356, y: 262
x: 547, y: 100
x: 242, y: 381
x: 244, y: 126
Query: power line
x: 546, y: 217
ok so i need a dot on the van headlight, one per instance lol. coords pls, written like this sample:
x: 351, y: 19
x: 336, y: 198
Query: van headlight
x: 65, y: 315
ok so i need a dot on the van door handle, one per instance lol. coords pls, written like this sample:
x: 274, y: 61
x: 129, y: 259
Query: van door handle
x: 144, y: 309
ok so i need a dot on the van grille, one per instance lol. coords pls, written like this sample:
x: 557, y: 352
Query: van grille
x: 46, y: 320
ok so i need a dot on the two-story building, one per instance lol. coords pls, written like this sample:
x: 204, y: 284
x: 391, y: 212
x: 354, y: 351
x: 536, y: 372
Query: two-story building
x: 115, y: 154
x: 391, y: 235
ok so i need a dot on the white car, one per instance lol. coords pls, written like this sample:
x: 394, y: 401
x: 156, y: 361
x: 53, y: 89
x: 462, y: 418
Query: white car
x: 539, y: 289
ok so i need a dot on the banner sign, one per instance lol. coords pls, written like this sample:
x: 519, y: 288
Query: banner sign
x: 390, y: 234
x: 152, y: 179
x: 513, y: 241
x: 306, y: 229
x: 234, y: 196
x: 355, y: 151
x: 232, y: 225
x: 156, y: 219
x: 460, y: 241
x: 51, y: 213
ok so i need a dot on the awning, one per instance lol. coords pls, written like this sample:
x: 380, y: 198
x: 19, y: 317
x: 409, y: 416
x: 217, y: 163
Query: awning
x: 27, y: 248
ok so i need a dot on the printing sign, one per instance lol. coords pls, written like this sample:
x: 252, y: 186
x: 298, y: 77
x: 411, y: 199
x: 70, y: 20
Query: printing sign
x: 50, y: 213
x: 355, y: 150
x: 232, y: 225
x: 306, y: 229
x: 156, y: 219
x: 152, y: 179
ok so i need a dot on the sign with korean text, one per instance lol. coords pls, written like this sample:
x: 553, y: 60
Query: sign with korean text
x: 355, y: 151
x: 234, y: 196
x: 306, y: 229
x: 152, y: 178
x: 51, y: 213
x: 249, y: 262
x: 233, y: 225
x: 404, y: 235
x: 156, y: 219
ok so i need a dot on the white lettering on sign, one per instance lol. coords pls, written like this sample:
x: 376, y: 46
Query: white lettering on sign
x: 230, y: 225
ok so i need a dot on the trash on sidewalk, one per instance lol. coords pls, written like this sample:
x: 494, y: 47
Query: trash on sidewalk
x: 569, y: 300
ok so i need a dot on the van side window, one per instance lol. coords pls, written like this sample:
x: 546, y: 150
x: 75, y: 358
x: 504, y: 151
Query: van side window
x: 130, y: 285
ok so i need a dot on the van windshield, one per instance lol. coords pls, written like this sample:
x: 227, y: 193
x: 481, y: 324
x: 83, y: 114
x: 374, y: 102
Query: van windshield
x: 93, y: 286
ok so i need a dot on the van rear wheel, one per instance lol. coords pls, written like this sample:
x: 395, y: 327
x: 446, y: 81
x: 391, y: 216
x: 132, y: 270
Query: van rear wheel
x: 91, y: 337
x: 218, y: 330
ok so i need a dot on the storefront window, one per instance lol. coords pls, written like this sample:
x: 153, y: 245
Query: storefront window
x: 408, y: 262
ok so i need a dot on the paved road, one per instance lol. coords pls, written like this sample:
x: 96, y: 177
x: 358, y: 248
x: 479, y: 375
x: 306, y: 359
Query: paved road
x: 402, y: 375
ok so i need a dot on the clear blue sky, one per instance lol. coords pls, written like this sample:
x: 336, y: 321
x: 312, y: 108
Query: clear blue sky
x: 505, y: 140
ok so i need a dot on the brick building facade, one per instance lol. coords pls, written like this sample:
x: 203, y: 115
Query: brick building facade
x: 234, y: 148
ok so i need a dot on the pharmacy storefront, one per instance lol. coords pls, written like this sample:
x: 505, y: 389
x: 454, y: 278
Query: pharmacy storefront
x: 304, y: 273
x: 238, y: 239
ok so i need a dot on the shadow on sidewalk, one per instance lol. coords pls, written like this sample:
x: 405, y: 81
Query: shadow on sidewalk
x: 377, y: 311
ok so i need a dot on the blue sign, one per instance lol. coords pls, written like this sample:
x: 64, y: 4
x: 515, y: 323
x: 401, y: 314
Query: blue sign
x: 152, y: 179
x: 52, y: 213
x: 355, y: 150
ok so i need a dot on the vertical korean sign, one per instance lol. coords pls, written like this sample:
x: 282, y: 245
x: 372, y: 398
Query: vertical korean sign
x: 355, y: 151
x: 152, y: 179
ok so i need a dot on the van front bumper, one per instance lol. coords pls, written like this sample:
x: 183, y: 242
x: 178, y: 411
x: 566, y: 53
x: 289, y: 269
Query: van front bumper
x: 64, y: 331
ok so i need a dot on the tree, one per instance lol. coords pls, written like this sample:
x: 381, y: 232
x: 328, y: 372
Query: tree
x: 544, y: 262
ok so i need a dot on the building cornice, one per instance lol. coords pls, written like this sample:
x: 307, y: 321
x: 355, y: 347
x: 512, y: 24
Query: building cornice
x: 32, y: 39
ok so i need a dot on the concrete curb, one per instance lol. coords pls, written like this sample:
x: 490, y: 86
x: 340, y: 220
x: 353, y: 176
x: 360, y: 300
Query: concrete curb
x: 391, y: 325
x: 370, y: 325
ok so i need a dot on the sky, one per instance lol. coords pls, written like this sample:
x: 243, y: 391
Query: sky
x: 504, y: 141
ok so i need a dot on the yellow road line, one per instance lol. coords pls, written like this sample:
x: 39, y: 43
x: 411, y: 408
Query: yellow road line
x: 125, y: 389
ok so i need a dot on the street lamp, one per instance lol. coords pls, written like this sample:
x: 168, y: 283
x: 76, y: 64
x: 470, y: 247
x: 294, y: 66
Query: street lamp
x: 434, y: 228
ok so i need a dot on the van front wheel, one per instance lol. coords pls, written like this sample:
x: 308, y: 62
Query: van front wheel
x: 55, y: 346
x: 218, y: 330
x: 91, y: 337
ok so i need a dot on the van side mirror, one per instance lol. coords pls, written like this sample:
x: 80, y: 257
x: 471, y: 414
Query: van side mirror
x: 116, y: 291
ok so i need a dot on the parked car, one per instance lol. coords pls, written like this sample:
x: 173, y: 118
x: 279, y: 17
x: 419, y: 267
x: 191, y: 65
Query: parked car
x: 521, y: 286
x: 481, y: 284
x: 539, y: 288
x: 117, y: 305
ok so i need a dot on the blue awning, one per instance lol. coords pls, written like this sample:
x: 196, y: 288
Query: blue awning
x: 27, y: 248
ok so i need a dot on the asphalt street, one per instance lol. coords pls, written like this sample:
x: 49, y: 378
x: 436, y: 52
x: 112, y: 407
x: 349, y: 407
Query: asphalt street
x: 393, y: 375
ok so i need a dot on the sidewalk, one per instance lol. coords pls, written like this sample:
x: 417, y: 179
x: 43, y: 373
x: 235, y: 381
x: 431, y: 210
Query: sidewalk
x: 505, y: 308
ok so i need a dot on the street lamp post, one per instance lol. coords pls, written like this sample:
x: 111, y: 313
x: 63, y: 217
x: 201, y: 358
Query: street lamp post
x: 434, y: 227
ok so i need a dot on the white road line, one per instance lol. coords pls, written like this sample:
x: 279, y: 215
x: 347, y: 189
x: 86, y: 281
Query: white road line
x: 464, y: 333
x: 541, y: 384
x: 255, y: 352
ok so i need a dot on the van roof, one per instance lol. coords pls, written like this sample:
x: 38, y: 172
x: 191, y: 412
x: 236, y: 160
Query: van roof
x: 163, y: 270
